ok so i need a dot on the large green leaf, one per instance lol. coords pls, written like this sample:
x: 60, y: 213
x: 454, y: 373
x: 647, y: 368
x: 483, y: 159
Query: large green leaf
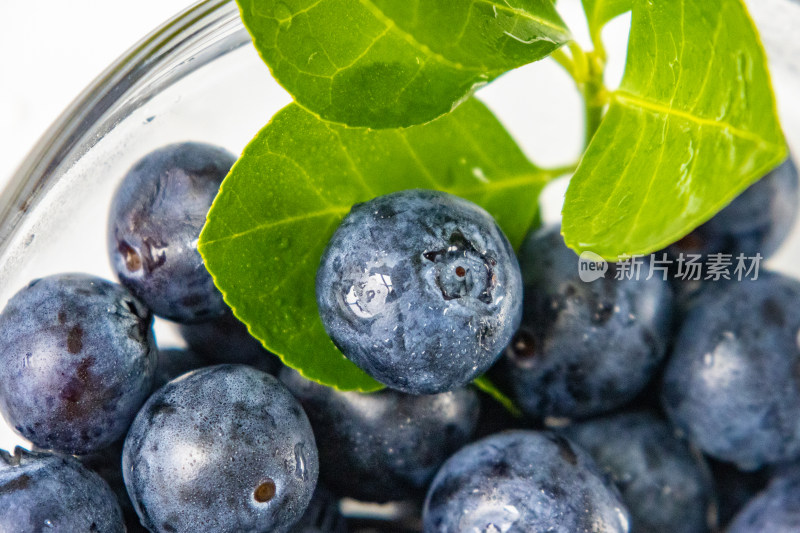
x: 393, y: 63
x: 297, y: 179
x: 691, y: 126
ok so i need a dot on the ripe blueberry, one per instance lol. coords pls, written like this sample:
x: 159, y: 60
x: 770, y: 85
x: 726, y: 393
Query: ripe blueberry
x: 77, y: 358
x: 155, y: 222
x: 420, y: 289
x: 226, y: 447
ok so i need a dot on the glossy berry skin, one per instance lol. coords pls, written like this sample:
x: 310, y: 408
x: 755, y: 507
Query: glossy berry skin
x: 522, y: 482
x: 666, y: 487
x: 583, y: 348
x: 775, y: 510
x: 156, y: 218
x: 421, y: 289
x: 225, y: 448
x: 41, y: 492
x: 756, y: 221
x: 77, y: 358
x: 386, y: 445
x: 226, y: 340
x: 732, y: 383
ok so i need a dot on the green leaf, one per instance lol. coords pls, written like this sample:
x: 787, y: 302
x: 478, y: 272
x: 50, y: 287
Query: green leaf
x: 484, y: 384
x: 298, y: 178
x: 390, y: 63
x: 691, y: 126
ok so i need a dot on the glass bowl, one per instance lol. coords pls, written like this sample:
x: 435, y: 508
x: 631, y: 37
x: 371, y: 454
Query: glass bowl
x: 197, y: 78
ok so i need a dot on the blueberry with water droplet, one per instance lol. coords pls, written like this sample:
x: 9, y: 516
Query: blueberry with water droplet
x: 227, y: 447
x: 77, y: 357
x: 519, y: 482
x: 42, y: 492
x: 385, y: 445
x: 583, y: 348
x: 156, y: 218
x: 420, y: 289
x: 732, y: 383
x: 666, y: 487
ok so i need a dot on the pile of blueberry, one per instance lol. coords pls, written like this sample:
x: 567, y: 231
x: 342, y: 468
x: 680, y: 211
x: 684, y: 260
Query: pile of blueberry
x: 650, y: 405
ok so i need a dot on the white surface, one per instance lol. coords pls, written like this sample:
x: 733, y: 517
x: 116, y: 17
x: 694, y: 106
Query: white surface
x: 49, y: 52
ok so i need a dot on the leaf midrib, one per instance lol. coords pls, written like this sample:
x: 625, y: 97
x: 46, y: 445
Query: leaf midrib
x: 630, y: 100
x: 340, y: 211
x: 390, y: 23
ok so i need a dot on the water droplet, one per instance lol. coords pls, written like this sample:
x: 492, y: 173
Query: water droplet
x: 300, y: 461
x: 368, y: 299
x: 479, y: 175
x: 623, y: 519
x: 490, y: 519
x: 284, y: 243
x: 48, y: 523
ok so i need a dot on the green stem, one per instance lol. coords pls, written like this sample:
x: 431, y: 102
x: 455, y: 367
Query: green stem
x: 557, y: 172
x: 563, y: 59
x: 595, y: 98
x: 587, y: 69
x: 491, y: 389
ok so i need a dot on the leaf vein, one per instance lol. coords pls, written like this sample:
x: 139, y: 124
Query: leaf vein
x: 410, y: 39
x: 646, y: 104
x: 331, y: 212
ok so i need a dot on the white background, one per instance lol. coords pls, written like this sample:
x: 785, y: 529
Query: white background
x: 50, y: 50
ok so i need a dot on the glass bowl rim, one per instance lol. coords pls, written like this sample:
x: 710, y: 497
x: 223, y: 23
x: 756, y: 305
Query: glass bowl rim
x: 35, y: 172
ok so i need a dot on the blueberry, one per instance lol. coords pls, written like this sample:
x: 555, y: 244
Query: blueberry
x: 732, y: 383
x: 583, y: 348
x: 775, y: 510
x: 421, y: 289
x: 156, y: 218
x: 44, y: 492
x: 757, y: 221
x: 173, y: 362
x: 226, y: 447
x: 322, y: 514
x: 666, y: 487
x: 520, y: 482
x: 226, y: 340
x: 386, y: 445
x: 77, y: 358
